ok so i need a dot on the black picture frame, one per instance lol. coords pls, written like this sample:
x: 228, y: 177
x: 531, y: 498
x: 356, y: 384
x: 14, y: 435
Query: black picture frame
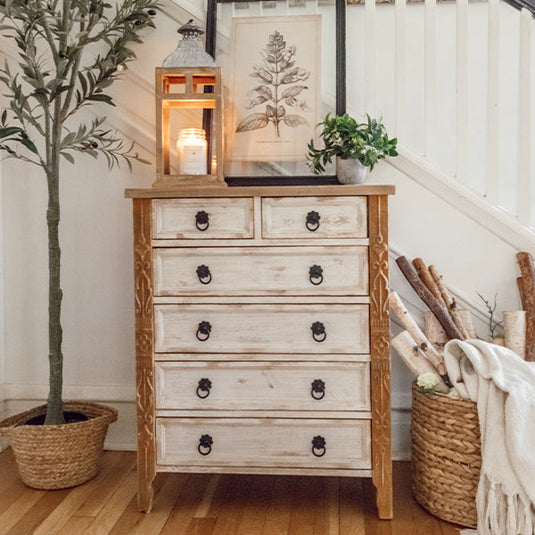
x: 340, y: 27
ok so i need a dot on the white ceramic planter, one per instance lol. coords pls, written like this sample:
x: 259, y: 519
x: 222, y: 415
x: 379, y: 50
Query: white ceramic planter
x: 351, y: 171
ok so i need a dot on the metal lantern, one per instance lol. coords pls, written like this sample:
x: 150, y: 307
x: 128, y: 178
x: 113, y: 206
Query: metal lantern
x: 189, y: 119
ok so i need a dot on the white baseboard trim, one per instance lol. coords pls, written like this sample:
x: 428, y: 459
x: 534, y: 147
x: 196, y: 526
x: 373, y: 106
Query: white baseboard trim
x: 97, y: 393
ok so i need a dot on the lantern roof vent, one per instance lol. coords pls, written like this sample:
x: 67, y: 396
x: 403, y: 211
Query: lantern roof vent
x: 190, y: 51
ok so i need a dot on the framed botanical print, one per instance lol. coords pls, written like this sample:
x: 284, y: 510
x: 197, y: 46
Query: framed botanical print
x: 274, y: 97
x: 283, y: 65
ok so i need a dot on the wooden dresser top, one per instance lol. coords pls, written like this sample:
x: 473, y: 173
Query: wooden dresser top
x: 264, y: 191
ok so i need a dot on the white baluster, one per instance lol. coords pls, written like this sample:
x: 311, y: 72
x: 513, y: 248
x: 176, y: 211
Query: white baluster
x: 493, y: 85
x: 400, y: 102
x: 370, y: 57
x: 524, y: 119
x: 430, y: 80
x: 461, y: 91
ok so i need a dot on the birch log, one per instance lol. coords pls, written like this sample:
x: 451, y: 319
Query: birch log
x: 415, y: 360
x: 437, y: 360
x: 464, y: 317
x: 440, y: 311
x: 434, y: 331
x: 520, y: 284
x: 514, y: 325
x: 462, y: 321
x: 427, y: 279
x: 457, y: 317
x: 527, y: 270
x: 439, y: 280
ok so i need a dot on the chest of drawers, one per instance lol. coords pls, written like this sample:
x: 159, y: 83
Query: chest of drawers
x: 262, y: 332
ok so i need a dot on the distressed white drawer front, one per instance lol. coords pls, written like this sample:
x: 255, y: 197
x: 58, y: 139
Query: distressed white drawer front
x: 314, y: 217
x: 261, y: 328
x: 263, y: 442
x: 263, y: 386
x: 261, y: 270
x: 202, y: 218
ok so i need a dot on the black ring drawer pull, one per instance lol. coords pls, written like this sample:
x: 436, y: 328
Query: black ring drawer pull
x: 315, y: 275
x: 312, y: 221
x: 318, y: 331
x: 202, y: 220
x: 318, y: 389
x: 203, y: 331
x: 205, y: 444
x: 203, y: 272
x: 318, y: 446
x: 203, y: 388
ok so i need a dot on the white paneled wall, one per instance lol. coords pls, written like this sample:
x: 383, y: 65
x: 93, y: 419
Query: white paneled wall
x: 455, y: 82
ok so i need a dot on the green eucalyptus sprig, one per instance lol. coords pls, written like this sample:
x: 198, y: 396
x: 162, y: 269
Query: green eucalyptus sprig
x: 344, y: 137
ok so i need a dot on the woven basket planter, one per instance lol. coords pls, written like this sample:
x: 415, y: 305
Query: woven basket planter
x: 59, y: 456
x: 446, y: 456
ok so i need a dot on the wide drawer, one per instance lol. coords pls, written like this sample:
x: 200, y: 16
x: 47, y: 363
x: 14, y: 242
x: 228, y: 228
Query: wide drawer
x: 224, y: 328
x: 230, y: 218
x: 310, y: 443
x: 314, y: 217
x: 263, y: 386
x: 261, y: 271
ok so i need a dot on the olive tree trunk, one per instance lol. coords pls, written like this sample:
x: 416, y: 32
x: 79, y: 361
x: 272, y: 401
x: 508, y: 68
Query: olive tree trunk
x: 54, y: 413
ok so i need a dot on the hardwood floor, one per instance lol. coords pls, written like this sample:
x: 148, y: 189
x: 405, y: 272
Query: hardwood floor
x: 204, y: 504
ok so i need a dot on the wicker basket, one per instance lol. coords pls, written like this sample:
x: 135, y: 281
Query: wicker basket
x: 59, y: 456
x: 446, y: 456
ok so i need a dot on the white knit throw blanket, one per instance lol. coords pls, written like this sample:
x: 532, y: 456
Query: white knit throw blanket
x: 503, y: 385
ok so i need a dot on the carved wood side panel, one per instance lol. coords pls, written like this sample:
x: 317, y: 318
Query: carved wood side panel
x: 380, y: 353
x: 144, y: 348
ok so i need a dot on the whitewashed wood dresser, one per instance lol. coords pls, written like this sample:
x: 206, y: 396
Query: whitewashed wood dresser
x: 262, y: 332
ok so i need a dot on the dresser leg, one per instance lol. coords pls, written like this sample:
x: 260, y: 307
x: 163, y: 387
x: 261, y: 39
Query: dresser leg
x: 385, y: 508
x: 145, y: 481
x: 145, y: 493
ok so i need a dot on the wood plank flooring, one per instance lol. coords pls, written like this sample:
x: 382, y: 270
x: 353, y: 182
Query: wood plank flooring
x: 204, y: 504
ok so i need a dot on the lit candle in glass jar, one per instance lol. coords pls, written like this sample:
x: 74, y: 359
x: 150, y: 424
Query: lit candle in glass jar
x: 192, y: 148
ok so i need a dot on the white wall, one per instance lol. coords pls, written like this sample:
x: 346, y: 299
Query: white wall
x: 96, y: 235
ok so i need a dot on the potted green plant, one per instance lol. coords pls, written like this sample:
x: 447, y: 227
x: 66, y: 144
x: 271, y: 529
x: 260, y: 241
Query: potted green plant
x: 356, y: 146
x: 69, y: 53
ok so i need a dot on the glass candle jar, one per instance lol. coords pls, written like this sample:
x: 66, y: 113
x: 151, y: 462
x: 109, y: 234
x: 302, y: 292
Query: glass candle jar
x: 192, y: 149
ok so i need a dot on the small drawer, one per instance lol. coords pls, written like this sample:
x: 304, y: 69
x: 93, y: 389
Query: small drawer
x: 314, y: 217
x: 340, y: 386
x: 261, y: 271
x: 230, y: 218
x: 223, y: 328
x: 274, y: 442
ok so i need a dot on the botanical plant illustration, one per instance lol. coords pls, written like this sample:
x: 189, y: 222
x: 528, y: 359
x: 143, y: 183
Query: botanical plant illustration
x: 279, y: 87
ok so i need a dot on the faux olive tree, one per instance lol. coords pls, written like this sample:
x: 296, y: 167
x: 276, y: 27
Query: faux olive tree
x: 69, y: 53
